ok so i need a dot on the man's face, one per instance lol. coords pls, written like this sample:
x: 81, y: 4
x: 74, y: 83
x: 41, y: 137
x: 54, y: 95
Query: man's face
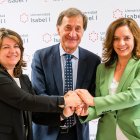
x: 70, y: 32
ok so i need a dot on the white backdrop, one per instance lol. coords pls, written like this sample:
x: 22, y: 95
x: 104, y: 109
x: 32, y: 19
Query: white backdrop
x: 35, y: 21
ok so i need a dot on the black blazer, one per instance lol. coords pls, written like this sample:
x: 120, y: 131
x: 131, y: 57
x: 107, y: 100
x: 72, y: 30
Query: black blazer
x: 47, y: 80
x: 14, y: 100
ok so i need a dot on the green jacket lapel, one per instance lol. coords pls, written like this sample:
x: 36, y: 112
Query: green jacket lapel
x: 126, y: 74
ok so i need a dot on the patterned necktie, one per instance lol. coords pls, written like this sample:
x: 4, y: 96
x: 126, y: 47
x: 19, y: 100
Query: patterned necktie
x: 68, y: 84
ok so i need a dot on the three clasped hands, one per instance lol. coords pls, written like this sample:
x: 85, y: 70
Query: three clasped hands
x: 77, y: 101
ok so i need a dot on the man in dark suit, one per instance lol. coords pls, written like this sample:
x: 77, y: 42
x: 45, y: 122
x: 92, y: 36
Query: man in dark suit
x: 48, y: 77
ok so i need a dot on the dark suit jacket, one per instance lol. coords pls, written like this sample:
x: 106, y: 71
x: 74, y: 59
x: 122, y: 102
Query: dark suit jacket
x: 47, y: 79
x: 13, y: 100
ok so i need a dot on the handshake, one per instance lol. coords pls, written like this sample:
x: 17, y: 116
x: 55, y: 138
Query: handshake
x: 77, y: 102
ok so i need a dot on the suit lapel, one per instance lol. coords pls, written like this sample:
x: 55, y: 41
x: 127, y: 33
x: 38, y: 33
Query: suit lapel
x: 25, y: 83
x: 22, y: 83
x: 126, y: 74
x: 56, y: 67
x: 82, y: 66
x: 109, y: 73
x: 26, y: 114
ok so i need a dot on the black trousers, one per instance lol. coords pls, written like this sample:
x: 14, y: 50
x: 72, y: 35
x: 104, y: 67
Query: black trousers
x: 71, y: 135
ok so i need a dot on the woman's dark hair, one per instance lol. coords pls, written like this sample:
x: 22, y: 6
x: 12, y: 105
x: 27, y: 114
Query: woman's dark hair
x: 109, y: 54
x: 15, y: 36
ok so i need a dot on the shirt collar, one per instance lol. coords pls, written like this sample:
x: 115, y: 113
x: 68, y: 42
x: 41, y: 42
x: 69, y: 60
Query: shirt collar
x: 75, y: 53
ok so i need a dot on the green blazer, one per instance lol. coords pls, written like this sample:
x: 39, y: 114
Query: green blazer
x: 123, y: 108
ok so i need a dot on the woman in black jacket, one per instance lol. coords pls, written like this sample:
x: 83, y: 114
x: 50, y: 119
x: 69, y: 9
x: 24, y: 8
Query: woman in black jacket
x: 16, y: 93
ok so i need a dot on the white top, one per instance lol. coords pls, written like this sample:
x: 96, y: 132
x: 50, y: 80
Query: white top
x: 112, y: 90
x: 17, y: 81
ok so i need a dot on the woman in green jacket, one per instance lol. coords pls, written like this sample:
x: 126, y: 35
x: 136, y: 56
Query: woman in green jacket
x: 117, y: 101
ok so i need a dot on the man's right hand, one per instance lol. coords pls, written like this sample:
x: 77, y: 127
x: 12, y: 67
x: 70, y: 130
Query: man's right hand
x: 72, y: 99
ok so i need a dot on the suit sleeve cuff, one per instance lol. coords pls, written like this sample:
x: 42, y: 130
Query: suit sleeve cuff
x: 61, y: 102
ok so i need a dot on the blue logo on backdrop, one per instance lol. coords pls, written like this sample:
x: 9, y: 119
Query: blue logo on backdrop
x: 25, y: 38
x: 16, y: 1
x: 131, y: 13
x: 35, y: 18
x: 92, y: 15
x: 54, y: 37
x: 2, y: 18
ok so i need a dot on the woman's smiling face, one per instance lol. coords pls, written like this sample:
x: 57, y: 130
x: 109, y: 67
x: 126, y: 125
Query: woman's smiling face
x: 10, y: 53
